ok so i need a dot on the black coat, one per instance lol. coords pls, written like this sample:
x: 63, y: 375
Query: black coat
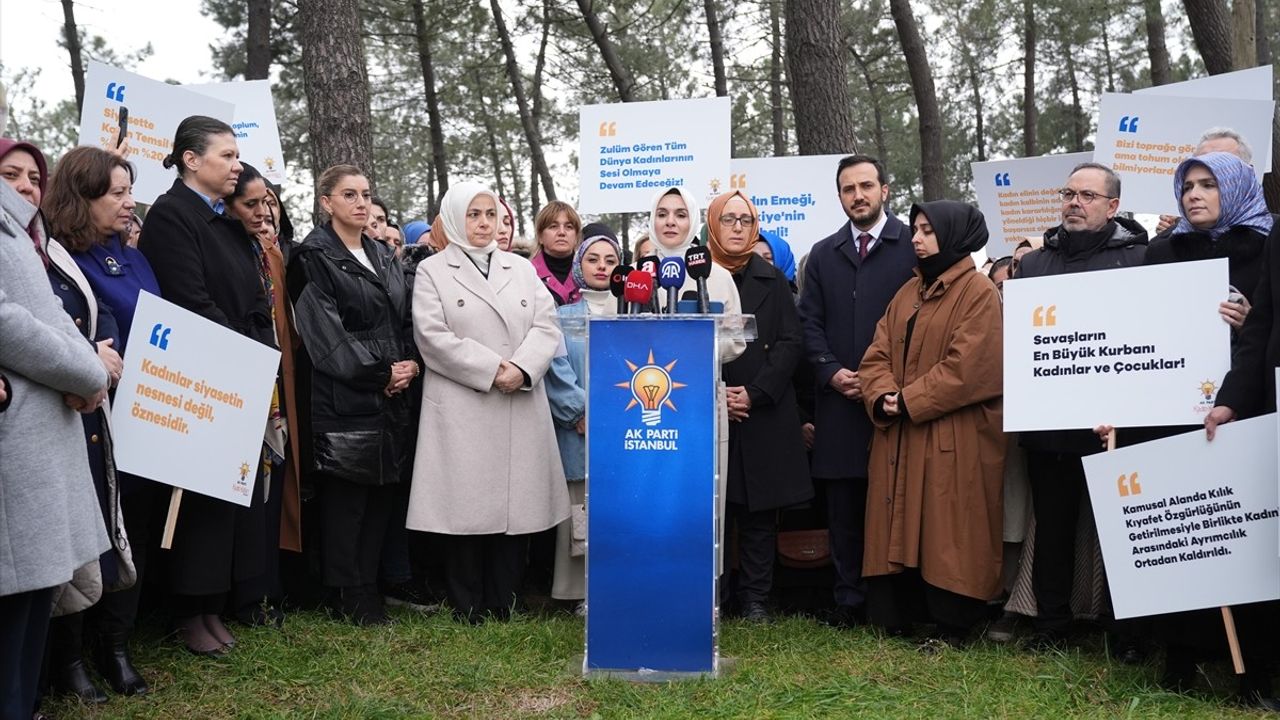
x: 1126, y: 247
x: 205, y: 262
x: 353, y: 323
x: 1250, y: 387
x: 842, y: 299
x: 767, y: 464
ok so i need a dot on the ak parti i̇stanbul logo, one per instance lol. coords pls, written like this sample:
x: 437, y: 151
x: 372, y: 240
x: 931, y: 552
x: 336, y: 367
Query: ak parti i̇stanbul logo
x: 651, y: 387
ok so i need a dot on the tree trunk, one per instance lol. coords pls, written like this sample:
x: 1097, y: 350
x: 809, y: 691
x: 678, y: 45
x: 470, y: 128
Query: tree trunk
x: 818, y: 76
x: 72, y: 35
x: 1077, y: 112
x: 775, y: 81
x: 1260, y: 33
x: 517, y: 88
x: 930, y: 117
x: 1211, y: 27
x: 1156, y: 48
x: 539, y: 66
x: 622, y: 79
x: 1106, y: 50
x: 486, y: 120
x: 258, y: 41
x: 438, y: 158
x: 717, y: 49
x: 1244, y: 44
x: 517, y: 204
x: 977, y: 106
x: 1030, y: 112
x: 877, y: 113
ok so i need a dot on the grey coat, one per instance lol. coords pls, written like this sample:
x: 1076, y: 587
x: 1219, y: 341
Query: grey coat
x: 50, y: 521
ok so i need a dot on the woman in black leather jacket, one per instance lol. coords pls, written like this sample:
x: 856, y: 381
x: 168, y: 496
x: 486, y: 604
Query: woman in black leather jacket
x: 351, y: 307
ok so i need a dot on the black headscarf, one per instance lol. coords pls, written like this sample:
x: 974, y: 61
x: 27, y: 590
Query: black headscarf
x: 960, y: 229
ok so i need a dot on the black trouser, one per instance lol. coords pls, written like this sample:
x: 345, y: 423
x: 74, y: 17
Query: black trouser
x: 484, y: 572
x: 395, y: 563
x: 116, y: 612
x: 1057, y: 489
x: 24, y: 626
x: 757, y: 547
x: 894, y: 601
x: 846, y: 523
x: 354, y: 519
x: 250, y: 592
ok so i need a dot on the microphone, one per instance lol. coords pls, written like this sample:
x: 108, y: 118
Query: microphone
x: 618, y: 284
x: 697, y: 261
x: 671, y: 276
x: 639, y: 290
x: 649, y: 264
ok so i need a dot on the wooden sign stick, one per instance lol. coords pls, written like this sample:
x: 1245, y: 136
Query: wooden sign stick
x: 171, y: 521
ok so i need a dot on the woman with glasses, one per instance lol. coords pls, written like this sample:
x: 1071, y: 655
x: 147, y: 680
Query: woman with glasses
x: 932, y: 387
x: 767, y: 468
x: 351, y: 306
x: 205, y: 262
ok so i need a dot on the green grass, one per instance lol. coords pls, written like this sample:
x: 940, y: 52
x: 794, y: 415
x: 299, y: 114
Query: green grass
x: 429, y: 666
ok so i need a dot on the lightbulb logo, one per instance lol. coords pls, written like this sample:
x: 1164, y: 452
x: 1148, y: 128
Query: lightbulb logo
x: 1207, y: 391
x: 651, y: 386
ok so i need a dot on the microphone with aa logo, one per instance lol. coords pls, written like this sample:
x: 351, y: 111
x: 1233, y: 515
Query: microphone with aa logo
x: 671, y: 277
x: 639, y: 291
x: 649, y: 264
x: 618, y: 284
x: 697, y: 261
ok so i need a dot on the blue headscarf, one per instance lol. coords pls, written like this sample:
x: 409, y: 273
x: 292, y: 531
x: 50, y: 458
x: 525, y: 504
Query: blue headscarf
x: 415, y: 230
x: 783, y: 258
x: 1239, y: 195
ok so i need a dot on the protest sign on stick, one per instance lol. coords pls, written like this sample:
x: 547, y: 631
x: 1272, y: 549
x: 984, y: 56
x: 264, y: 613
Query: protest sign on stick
x: 1019, y: 198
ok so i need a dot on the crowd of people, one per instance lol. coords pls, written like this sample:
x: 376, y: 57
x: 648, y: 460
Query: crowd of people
x: 429, y: 415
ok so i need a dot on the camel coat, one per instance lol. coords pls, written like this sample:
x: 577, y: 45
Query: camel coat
x: 935, y: 492
x: 486, y: 462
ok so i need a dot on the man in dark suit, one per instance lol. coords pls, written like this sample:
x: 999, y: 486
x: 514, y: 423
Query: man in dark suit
x: 848, y: 282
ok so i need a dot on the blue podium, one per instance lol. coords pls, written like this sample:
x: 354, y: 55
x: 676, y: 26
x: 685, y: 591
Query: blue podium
x: 652, y: 478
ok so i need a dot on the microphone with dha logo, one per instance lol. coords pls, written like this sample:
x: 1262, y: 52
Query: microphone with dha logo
x: 671, y: 276
x: 618, y: 284
x: 639, y: 291
x: 697, y: 260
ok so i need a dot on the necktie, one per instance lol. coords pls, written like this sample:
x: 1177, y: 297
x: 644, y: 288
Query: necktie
x: 864, y: 240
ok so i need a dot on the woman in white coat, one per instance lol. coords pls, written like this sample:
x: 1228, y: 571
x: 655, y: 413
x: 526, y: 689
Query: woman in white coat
x: 487, y: 471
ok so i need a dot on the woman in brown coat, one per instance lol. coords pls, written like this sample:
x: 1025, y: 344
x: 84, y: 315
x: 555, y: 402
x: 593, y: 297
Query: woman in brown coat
x: 932, y: 383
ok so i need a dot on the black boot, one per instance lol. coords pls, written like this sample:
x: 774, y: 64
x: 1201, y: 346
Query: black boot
x: 71, y: 677
x: 68, y: 673
x: 116, y: 667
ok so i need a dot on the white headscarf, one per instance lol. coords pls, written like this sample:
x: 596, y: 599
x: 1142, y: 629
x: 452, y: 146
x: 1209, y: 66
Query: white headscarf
x: 453, y: 215
x: 695, y: 221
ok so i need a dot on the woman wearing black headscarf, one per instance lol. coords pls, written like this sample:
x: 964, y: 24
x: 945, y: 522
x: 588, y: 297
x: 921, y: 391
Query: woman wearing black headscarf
x: 932, y: 382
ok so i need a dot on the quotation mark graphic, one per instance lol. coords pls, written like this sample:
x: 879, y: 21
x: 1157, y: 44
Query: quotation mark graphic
x: 1002, y: 180
x: 160, y: 336
x: 1129, y: 124
x: 608, y: 129
x: 738, y: 182
x: 1131, y: 487
x: 115, y: 92
x: 1040, y: 317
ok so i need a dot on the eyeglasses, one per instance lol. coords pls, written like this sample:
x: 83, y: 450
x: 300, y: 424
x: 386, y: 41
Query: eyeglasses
x: 745, y: 220
x: 349, y: 196
x: 1086, y: 196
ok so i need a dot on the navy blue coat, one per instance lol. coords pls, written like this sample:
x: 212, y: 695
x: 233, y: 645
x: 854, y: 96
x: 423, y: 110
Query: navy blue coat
x: 843, y: 298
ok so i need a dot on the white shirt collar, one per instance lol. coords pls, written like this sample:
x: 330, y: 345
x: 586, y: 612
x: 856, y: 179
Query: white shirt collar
x: 874, y: 231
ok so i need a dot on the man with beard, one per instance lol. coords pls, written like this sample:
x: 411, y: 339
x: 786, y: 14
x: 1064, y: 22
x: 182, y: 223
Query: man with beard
x: 1091, y: 237
x: 848, y: 282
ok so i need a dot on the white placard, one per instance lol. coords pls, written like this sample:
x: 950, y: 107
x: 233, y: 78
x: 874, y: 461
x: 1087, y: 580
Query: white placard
x: 631, y: 150
x: 155, y: 109
x: 1019, y: 198
x: 1251, y: 84
x: 257, y: 133
x: 1134, y: 347
x: 1186, y: 523
x: 1144, y: 137
x: 192, y: 404
x: 796, y: 196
